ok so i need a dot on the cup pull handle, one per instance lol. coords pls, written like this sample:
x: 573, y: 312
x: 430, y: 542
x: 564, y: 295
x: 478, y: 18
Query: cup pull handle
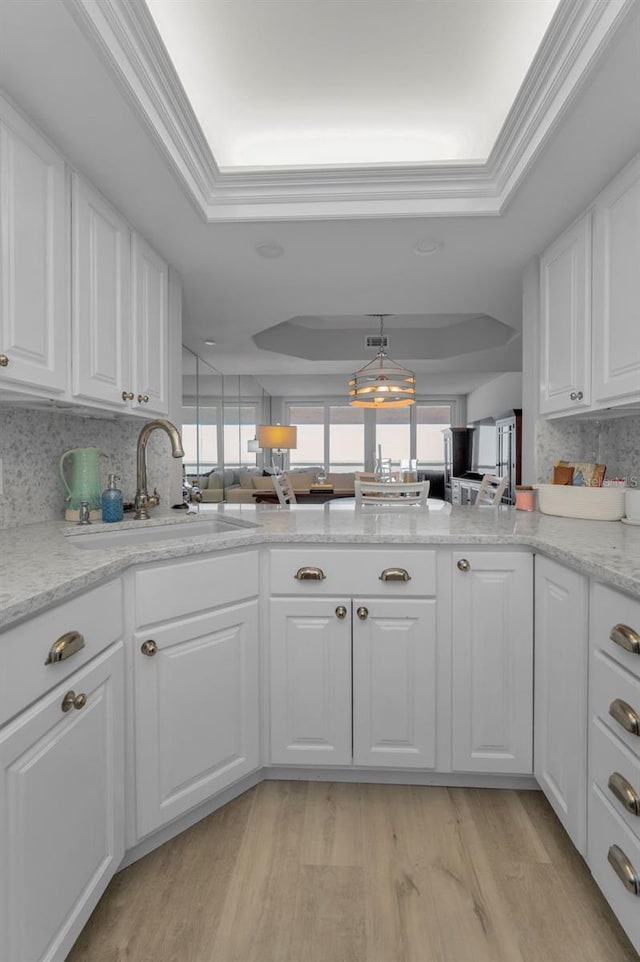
x: 309, y: 573
x: 624, y: 792
x: 626, y: 637
x: 66, y: 645
x: 395, y: 574
x: 625, y: 715
x: 624, y: 869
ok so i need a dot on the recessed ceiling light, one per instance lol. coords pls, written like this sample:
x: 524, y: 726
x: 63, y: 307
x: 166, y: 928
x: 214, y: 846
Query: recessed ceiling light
x: 270, y: 250
x: 210, y: 343
x: 426, y: 246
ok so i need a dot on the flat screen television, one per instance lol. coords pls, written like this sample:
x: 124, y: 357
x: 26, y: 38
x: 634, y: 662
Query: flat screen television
x: 483, y: 447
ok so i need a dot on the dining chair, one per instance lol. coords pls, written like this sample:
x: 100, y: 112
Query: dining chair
x: 491, y: 490
x: 283, y: 488
x: 391, y: 492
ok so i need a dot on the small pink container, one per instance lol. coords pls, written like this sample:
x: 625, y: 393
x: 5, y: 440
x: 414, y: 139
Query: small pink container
x: 525, y: 497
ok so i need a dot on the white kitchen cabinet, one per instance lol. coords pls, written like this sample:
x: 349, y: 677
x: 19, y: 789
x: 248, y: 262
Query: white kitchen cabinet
x: 310, y: 681
x: 616, y: 290
x: 101, y: 299
x: 492, y: 662
x: 150, y: 328
x: 352, y: 675
x: 394, y: 682
x: 565, y: 321
x: 613, y: 845
x: 560, y: 714
x: 195, y: 663
x: 120, y: 319
x: 61, y: 810
x: 34, y: 261
x: 353, y: 680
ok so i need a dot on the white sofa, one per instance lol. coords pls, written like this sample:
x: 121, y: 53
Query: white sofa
x: 238, y: 487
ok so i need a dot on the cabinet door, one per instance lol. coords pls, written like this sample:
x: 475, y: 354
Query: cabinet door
x: 310, y: 681
x: 196, y: 711
x: 394, y: 683
x: 34, y: 262
x: 565, y: 321
x: 61, y: 812
x: 101, y: 346
x: 616, y: 289
x: 561, y: 659
x: 492, y: 662
x: 150, y: 279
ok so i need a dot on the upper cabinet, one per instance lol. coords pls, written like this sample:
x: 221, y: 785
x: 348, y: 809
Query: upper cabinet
x: 589, y: 291
x: 34, y: 260
x: 150, y: 291
x: 104, y: 346
x: 616, y: 289
x: 119, y: 315
x: 565, y: 316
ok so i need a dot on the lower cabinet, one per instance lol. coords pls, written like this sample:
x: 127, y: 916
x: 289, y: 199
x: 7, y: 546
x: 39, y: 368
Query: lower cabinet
x: 61, y: 810
x: 353, y: 681
x: 196, y: 710
x: 613, y: 842
x: 560, y: 717
x: 492, y: 662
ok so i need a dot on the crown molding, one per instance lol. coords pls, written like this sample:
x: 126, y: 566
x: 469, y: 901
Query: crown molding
x: 125, y: 36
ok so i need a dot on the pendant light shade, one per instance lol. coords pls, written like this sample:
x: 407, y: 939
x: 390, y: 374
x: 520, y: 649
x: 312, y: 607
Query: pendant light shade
x: 382, y: 383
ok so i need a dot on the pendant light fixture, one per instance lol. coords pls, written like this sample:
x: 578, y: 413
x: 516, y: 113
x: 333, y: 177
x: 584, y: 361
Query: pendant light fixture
x: 382, y: 383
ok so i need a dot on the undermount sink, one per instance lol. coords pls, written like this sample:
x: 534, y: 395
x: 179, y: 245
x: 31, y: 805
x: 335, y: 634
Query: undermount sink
x: 160, y: 532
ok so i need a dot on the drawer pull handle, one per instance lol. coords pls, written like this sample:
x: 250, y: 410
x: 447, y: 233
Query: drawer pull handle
x: 71, y: 700
x: 309, y: 573
x: 626, y: 637
x: 625, y: 715
x: 464, y: 565
x: 66, y: 645
x: 4, y: 360
x: 149, y: 648
x: 362, y: 613
x: 395, y: 574
x: 624, y: 869
x: 576, y: 396
x: 127, y: 395
x: 341, y: 612
x: 624, y: 792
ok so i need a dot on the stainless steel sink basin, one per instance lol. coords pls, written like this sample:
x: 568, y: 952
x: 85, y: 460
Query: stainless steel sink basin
x: 145, y: 533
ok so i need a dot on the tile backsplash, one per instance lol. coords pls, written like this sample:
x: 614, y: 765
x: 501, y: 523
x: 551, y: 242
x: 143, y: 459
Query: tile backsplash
x: 32, y: 443
x: 614, y: 442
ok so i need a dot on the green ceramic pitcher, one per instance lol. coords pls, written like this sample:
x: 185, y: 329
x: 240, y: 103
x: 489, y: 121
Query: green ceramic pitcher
x: 84, y: 476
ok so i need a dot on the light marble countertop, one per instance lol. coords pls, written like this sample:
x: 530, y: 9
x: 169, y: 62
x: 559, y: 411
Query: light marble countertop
x: 39, y: 566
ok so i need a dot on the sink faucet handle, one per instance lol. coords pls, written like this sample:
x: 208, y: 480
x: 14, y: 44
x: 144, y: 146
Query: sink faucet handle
x: 153, y: 499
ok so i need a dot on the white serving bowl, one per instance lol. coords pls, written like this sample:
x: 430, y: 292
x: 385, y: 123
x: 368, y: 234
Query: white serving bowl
x: 594, y: 504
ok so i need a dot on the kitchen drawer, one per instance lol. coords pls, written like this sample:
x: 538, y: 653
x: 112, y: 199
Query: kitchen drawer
x: 610, y: 608
x: 24, y: 676
x: 605, y: 830
x: 607, y: 756
x: 351, y: 572
x: 609, y: 681
x: 178, y: 588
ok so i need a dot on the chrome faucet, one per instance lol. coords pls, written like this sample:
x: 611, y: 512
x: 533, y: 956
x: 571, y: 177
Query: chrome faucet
x: 144, y: 500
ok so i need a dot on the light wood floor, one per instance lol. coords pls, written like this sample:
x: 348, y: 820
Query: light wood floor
x: 326, y: 872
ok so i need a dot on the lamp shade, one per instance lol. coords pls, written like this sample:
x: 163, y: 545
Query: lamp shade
x: 277, y: 436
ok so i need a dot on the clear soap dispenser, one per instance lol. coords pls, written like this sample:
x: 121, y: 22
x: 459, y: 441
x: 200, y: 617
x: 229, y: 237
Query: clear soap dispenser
x: 112, y: 502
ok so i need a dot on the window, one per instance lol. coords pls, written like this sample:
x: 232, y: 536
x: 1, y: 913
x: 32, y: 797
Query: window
x: 239, y: 428
x: 393, y: 433
x: 309, y: 419
x: 431, y: 421
x: 200, y: 438
x: 346, y: 438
